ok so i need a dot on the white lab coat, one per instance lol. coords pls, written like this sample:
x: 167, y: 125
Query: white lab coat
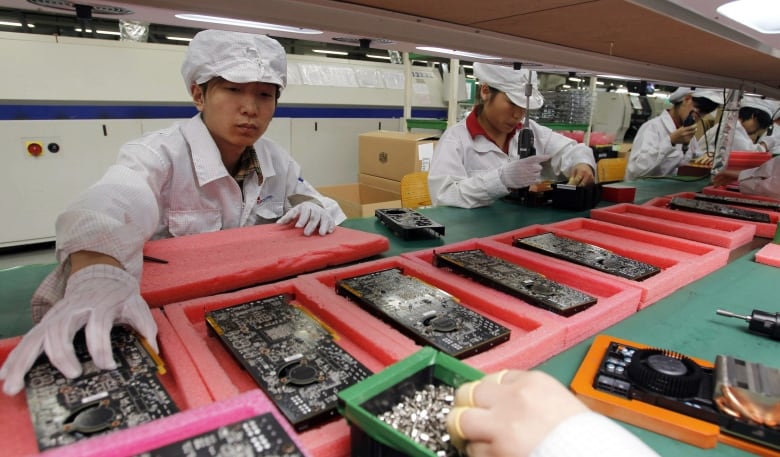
x: 464, y: 170
x: 172, y: 183
x: 763, y: 180
x: 652, y: 151
x: 741, y: 141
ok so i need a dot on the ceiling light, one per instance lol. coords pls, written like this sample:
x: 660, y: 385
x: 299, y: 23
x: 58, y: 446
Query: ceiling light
x: 178, y: 38
x: 457, y: 53
x: 575, y: 79
x: 99, y: 32
x: 14, y: 24
x: 327, y: 51
x: 760, y: 15
x: 249, y: 24
x: 376, y: 56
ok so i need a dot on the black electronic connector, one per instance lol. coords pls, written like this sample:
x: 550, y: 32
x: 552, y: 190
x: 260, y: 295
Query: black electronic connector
x: 765, y: 323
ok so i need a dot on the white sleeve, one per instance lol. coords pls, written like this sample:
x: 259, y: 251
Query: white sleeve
x: 651, y: 148
x: 763, y: 180
x: 591, y: 435
x: 565, y: 153
x: 298, y: 187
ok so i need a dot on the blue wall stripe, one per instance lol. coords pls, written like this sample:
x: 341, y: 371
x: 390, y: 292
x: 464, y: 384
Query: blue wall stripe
x: 19, y: 112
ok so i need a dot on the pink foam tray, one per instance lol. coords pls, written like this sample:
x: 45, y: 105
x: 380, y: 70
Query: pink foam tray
x: 615, y: 301
x: 211, y: 263
x: 368, y: 341
x: 182, y: 426
x: 769, y: 255
x: 535, y: 336
x: 181, y: 381
x: 681, y: 261
x: 763, y: 229
x: 713, y: 190
x: 717, y: 231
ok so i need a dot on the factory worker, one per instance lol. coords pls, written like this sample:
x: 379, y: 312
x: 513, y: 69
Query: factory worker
x: 515, y: 413
x: 476, y: 161
x: 772, y: 136
x: 763, y: 180
x: 663, y: 143
x: 212, y: 172
x: 755, y: 117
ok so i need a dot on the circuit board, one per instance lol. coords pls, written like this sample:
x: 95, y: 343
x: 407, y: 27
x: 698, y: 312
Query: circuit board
x: 425, y: 313
x: 290, y: 355
x: 717, y: 209
x: 408, y: 223
x: 259, y: 436
x: 587, y: 255
x: 765, y: 204
x: 64, y: 410
x: 515, y: 280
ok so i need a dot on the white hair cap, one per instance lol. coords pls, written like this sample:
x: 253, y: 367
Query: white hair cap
x: 511, y: 82
x: 680, y: 93
x: 235, y: 56
x: 714, y: 95
x: 767, y: 106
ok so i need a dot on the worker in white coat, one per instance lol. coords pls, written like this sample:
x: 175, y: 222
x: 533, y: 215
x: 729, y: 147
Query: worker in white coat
x: 665, y: 142
x: 772, y: 136
x: 754, y: 118
x: 763, y: 180
x: 476, y: 161
x: 212, y: 172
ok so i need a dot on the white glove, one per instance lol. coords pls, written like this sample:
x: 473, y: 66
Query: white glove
x: 309, y: 215
x: 769, y: 141
x: 521, y: 173
x: 95, y: 298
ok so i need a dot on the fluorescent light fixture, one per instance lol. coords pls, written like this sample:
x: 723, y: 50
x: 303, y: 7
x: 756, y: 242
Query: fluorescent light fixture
x: 248, y: 24
x: 760, y: 15
x: 99, y: 32
x: 457, y: 53
x: 575, y: 79
x: 178, y: 38
x: 470, y: 67
x: 566, y: 86
x: 600, y: 83
x: 15, y: 24
x: 377, y: 56
x: 327, y: 51
x: 625, y: 78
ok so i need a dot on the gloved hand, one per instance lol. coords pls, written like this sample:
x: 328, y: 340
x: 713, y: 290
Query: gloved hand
x: 521, y: 173
x: 309, y: 216
x: 95, y: 298
x: 770, y: 142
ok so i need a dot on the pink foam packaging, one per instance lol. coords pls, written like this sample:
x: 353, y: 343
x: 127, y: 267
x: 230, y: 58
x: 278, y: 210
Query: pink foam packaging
x: 681, y: 261
x: 211, y: 263
x: 717, y: 231
x: 535, y: 336
x: 616, y: 301
x: 763, y: 229
x: 181, y: 381
x: 366, y: 340
x: 185, y: 425
x: 769, y: 255
x: 712, y: 190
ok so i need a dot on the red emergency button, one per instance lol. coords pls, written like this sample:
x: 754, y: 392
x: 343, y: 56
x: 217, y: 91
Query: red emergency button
x: 34, y: 149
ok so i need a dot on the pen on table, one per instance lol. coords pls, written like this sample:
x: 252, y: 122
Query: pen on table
x: 148, y: 258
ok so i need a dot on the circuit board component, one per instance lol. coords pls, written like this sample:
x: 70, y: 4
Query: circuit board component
x: 515, y: 280
x: 587, y: 255
x: 427, y: 314
x: 717, y: 209
x: 290, y: 355
x: 259, y: 436
x: 66, y: 410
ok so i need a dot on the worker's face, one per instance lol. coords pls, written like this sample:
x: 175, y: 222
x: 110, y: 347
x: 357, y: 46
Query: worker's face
x: 236, y: 114
x: 500, y: 112
x: 687, y: 107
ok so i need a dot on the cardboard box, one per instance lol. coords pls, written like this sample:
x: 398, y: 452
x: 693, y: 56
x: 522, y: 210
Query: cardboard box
x: 360, y: 200
x: 380, y: 183
x: 391, y: 155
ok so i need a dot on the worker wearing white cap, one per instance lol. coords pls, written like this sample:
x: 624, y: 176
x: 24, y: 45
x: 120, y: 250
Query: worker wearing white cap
x: 755, y: 117
x: 667, y: 141
x: 771, y: 137
x: 476, y: 161
x: 214, y: 171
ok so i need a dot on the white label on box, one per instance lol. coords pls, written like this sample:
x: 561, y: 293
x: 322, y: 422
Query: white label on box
x: 424, y: 154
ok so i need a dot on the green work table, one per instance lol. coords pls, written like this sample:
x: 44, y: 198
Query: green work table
x: 684, y: 322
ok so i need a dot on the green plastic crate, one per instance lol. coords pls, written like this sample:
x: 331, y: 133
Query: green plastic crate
x: 361, y: 403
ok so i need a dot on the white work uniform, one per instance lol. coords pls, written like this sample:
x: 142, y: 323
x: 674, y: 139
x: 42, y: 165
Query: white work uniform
x: 741, y: 141
x: 464, y: 171
x: 172, y: 183
x: 763, y: 180
x: 652, y: 151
